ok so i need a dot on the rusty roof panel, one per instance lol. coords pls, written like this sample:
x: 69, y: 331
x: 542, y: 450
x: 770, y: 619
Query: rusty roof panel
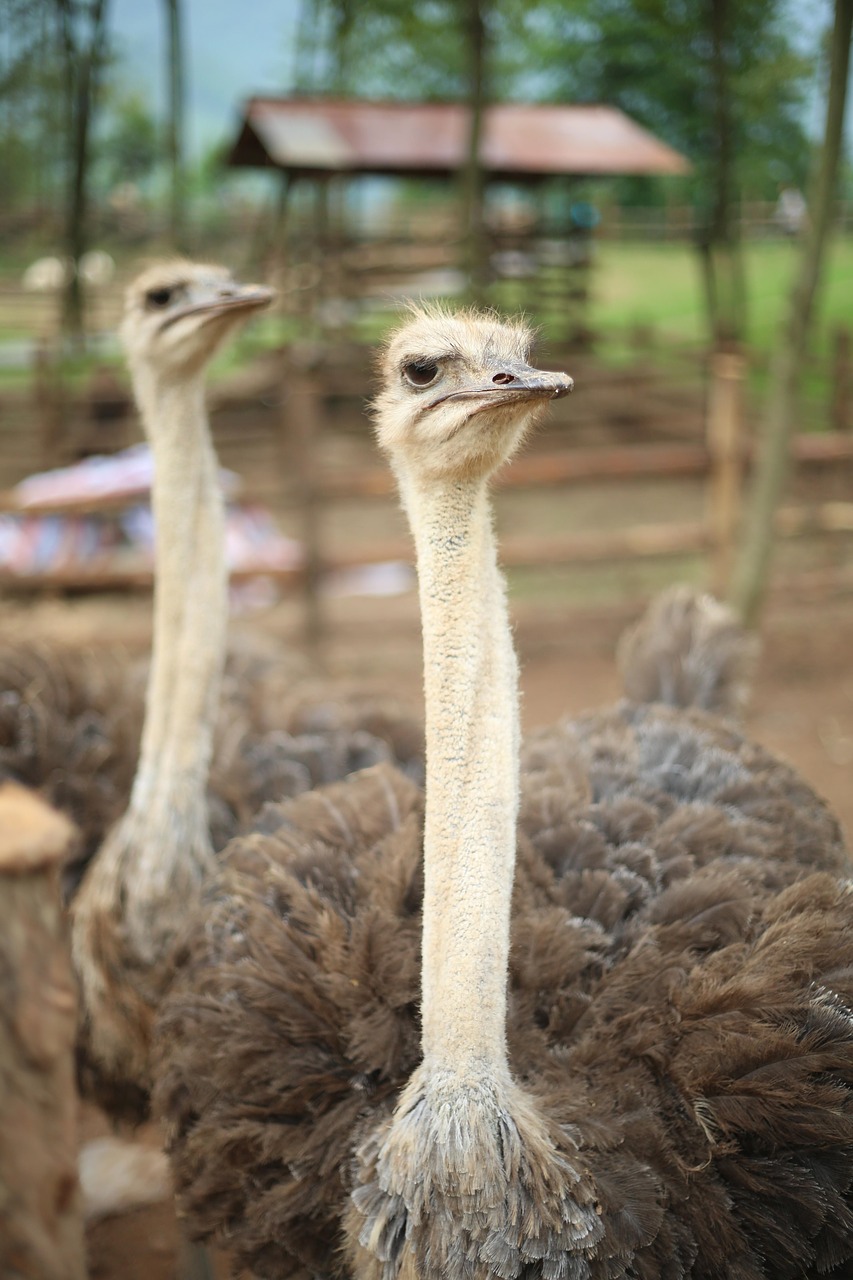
x: 518, y: 140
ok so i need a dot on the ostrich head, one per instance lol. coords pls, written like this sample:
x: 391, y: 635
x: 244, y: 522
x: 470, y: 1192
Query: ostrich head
x: 458, y: 393
x: 177, y: 313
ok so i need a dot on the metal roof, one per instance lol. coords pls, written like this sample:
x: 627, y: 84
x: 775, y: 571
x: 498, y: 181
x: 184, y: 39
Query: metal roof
x: 304, y: 135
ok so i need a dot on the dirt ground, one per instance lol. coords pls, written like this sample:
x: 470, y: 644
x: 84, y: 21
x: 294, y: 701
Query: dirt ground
x: 802, y: 709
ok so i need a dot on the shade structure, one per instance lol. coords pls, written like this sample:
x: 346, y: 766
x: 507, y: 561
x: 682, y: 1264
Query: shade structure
x: 519, y: 141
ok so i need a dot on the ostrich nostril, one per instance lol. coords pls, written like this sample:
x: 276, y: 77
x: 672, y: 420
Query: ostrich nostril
x: 503, y: 378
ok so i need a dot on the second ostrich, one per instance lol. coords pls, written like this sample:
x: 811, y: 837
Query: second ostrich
x: 638, y: 1061
x: 278, y: 736
x: 148, y: 872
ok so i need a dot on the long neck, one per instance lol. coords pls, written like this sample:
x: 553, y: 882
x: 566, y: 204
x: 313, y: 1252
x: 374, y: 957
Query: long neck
x: 472, y: 715
x: 190, y: 613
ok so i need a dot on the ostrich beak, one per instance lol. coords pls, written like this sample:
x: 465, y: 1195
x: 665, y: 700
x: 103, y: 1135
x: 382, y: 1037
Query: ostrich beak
x: 538, y: 382
x: 511, y: 386
x: 221, y: 299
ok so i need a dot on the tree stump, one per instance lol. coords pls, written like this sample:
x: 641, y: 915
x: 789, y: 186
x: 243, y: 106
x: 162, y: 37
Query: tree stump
x: 41, y: 1231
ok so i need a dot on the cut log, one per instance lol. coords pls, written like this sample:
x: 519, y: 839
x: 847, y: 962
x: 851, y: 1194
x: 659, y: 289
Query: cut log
x: 41, y: 1229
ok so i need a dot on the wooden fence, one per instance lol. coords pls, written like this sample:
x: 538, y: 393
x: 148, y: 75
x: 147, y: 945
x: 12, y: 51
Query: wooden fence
x: 720, y: 461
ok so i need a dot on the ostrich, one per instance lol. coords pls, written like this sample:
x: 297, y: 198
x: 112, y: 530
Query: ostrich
x: 372, y: 1067
x: 276, y: 738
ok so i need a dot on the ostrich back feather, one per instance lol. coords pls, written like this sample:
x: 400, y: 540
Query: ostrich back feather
x: 681, y: 967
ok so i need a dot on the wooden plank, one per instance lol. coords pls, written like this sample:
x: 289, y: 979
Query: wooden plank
x: 568, y: 466
x: 587, y: 465
x: 823, y: 447
x: 583, y: 547
x: 586, y: 547
x: 106, y: 577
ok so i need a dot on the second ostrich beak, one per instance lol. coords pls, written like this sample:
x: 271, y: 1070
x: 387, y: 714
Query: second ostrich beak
x: 215, y: 302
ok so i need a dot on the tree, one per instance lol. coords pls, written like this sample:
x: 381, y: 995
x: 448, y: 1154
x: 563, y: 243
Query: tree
x: 473, y: 180
x: 752, y: 570
x: 82, y: 29
x: 129, y: 149
x: 395, y: 49
x: 719, y: 238
x: 731, y: 99
x: 32, y: 120
x: 175, y: 126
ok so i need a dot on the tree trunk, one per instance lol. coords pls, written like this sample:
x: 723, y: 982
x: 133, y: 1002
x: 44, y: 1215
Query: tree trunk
x: 724, y: 288
x: 82, y: 65
x: 306, y: 44
x: 41, y: 1228
x: 177, y: 204
x: 343, y: 17
x: 473, y: 192
x: 753, y: 568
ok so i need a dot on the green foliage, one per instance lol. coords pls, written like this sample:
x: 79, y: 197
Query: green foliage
x: 130, y: 146
x: 654, y: 58
x: 382, y: 48
x: 32, y: 116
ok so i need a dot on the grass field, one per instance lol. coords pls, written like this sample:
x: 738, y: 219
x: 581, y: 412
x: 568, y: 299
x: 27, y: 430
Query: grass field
x: 659, y: 285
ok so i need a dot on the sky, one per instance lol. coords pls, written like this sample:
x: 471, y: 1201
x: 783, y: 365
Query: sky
x: 235, y: 48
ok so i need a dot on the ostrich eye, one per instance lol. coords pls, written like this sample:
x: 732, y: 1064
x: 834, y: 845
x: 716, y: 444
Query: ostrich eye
x: 421, y: 372
x: 158, y: 297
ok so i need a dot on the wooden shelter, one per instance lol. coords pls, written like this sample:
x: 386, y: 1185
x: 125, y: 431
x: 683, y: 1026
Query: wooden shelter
x: 321, y: 144
x: 521, y: 142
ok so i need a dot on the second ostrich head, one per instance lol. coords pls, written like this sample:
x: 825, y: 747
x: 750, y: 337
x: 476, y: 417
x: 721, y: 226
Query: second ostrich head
x: 458, y: 393
x: 177, y: 313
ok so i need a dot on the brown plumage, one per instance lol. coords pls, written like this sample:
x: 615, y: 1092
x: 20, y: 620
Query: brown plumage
x: 325, y: 731
x: 69, y: 728
x: 70, y: 721
x: 679, y: 1093
x: 682, y: 950
x: 689, y: 651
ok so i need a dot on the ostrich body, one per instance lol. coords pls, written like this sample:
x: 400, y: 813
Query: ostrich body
x: 633, y: 1054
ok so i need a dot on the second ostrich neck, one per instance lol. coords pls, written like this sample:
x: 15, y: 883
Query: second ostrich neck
x: 190, y: 618
x: 471, y: 694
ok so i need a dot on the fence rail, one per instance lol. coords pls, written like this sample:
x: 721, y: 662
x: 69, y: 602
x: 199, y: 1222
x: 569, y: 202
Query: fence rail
x: 722, y: 461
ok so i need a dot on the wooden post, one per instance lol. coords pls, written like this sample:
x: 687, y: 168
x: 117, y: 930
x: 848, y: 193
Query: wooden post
x: 302, y: 429
x: 41, y: 1229
x: 840, y: 406
x: 48, y: 405
x: 725, y: 476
